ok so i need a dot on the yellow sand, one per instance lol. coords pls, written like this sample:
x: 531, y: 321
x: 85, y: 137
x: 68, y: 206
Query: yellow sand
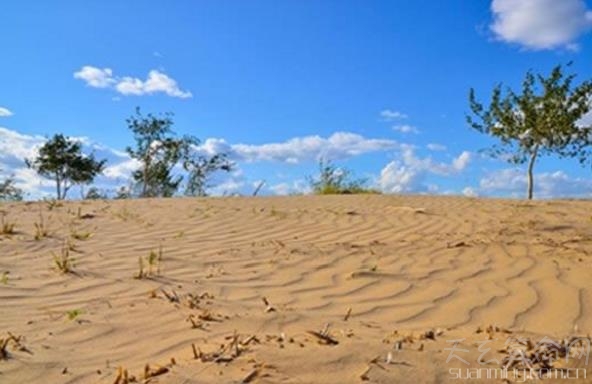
x: 404, y: 265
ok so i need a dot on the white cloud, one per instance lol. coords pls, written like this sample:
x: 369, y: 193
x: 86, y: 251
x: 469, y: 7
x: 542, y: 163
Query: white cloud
x: 540, y: 24
x: 291, y: 188
x: 95, y: 77
x: 337, y: 146
x: 156, y: 82
x: 406, y: 128
x: 408, y: 173
x: 122, y: 170
x: 5, y: 112
x: 461, y: 162
x: 390, y: 115
x: 513, y: 182
x: 436, y: 147
x: 16, y: 147
x: 586, y: 120
x: 469, y: 192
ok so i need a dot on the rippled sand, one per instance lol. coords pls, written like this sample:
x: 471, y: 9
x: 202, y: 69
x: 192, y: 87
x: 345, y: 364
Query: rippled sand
x: 375, y: 273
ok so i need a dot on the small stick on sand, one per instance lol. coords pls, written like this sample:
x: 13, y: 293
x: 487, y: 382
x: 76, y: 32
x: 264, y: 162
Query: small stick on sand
x: 250, y: 376
x: 173, y: 297
x: 248, y: 340
x: 268, y: 306
x: 195, y: 354
x: 325, y: 339
x: 119, y: 375
x: 364, y: 375
x: 348, y: 314
x: 195, y: 324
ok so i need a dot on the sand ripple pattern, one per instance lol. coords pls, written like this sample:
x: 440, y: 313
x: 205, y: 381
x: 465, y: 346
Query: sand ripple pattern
x: 398, y: 262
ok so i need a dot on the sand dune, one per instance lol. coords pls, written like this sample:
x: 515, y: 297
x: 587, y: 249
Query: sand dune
x: 401, y: 267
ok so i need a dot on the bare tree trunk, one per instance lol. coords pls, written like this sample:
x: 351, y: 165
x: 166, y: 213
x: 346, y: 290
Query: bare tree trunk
x: 58, y: 187
x: 531, y: 162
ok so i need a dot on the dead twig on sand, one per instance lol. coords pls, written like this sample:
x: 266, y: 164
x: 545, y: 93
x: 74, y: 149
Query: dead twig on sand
x: 148, y: 373
x: 268, y: 306
x: 348, y: 314
x: 172, y: 297
x: 15, y: 340
x: 250, y: 376
x: 323, y: 336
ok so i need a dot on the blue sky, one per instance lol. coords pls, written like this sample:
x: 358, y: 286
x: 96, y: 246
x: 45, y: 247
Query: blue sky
x: 379, y: 87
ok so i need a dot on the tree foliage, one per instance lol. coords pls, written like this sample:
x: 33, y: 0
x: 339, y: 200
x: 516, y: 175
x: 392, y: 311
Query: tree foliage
x: 61, y: 159
x: 542, y: 119
x: 159, y: 152
x: 95, y: 193
x: 9, y: 191
x: 200, y: 168
x: 334, y: 180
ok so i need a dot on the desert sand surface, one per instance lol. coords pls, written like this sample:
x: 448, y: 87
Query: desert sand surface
x: 305, y: 289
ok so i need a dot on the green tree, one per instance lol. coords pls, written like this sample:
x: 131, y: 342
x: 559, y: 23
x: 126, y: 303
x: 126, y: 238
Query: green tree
x: 541, y: 120
x: 9, y: 191
x: 61, y: 159
x: 158, y: 151
x: 95, y: 193
x: 200, y: 168
x: 335, y: 180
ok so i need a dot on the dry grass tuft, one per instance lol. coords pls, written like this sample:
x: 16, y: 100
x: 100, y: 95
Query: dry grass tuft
x: 64, y: 262
x: 6, y: 227
x: 41, y: 229
x: 154, y: 261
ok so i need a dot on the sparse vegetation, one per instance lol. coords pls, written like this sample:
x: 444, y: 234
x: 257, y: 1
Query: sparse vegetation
x: 333, y: 180
x: 4, y: 277
x: 41, y: 230
x: 9, y: 191
x: 76, y: 235
x: 95, y: 193
x: 52, y: 204
x: 74, y: 313
x: 63, y: 261
x: 154, y: 261
x: 6, y: 227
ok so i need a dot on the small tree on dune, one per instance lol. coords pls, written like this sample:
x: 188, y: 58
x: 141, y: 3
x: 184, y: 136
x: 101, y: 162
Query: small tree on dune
x: 334, y: 180
x: 159, y: 152
x: 61, y: 159
x: 200, y: 168
x: 9, y: 191
x: 541, y: 120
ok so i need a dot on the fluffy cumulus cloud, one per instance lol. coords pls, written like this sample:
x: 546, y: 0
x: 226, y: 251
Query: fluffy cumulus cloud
x: 513, y: 182
x: 156, y: 82
x: 540, y: 24
x: 339, y: 145
x: 408, y: 173
x: 5, y: 112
